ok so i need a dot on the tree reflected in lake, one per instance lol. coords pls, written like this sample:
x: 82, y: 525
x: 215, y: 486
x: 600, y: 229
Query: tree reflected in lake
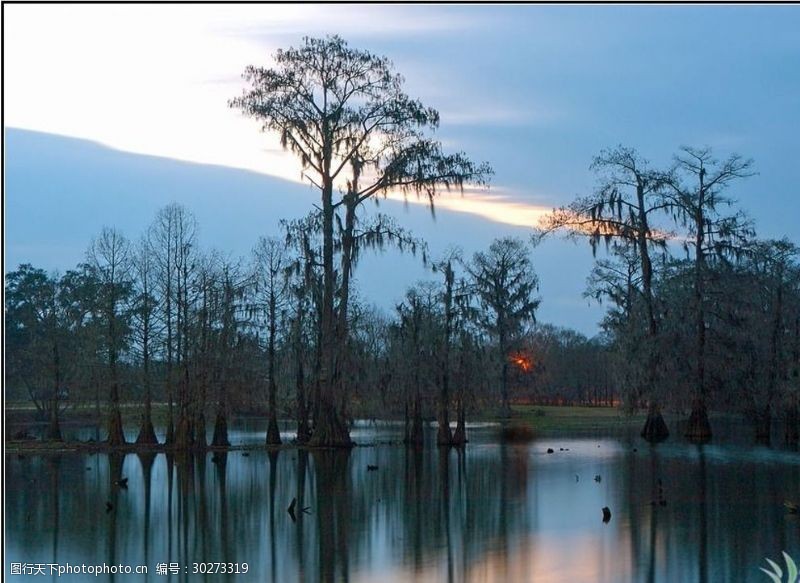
x: 492, y: 512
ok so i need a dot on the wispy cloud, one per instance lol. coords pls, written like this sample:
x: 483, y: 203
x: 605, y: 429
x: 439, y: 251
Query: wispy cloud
x: 497, y: 205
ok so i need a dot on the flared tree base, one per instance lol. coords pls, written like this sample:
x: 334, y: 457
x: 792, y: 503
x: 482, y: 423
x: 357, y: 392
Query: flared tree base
x: 54, y: 431
x: 183, y: 434
x: 698, y: 430
x: 444, y: 436
x: 460, y: 434
x: 655, y: 428
x: 273, y: 433
x: 116, y: 436
x: 147, y: 435
x: 199, y: 433
x: 763, y: 427
x: 790, y: 432
x: 220, y: 438
x: 416, y: 436
x: 330, y: 430
x: 303, y: 432
x: 169, y: 438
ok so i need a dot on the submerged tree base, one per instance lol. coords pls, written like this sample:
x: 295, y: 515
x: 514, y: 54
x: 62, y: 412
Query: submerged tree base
x: 460, y: 434
x: 147, y: 435
x: 763, y: 426
x: 183, y: 433
x: 699, y: 428
x: 790, y: 434
x: 220, y: 438
x: 444, y: 436
x: 273, y: 433
x: 415, y: 437
x: 116, y: 436
x: 54, y: 431
x: 303, y: 432
x: 655, y: 428
x: 330, y: 430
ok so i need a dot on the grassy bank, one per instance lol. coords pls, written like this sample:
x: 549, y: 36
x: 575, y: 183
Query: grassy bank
x: 561, y: 420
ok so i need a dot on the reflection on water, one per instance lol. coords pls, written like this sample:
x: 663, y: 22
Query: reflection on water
x: 492, y: 513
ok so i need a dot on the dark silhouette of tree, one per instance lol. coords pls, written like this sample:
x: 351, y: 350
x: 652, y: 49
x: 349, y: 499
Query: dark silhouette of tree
x: 110, y: 260
x: 343, y: 112
x: 270, y: 266
x: 504, y: 284
x: 144, y: 312
x: 38, y: 339
x: 173, y: 239
x: 622, y: 210
x: 695, y: 192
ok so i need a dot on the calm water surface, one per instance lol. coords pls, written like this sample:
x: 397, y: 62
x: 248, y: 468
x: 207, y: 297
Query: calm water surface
x: 493, y: 513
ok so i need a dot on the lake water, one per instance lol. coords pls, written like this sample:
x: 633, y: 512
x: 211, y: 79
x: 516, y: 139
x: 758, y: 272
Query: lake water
x: 493, y: 513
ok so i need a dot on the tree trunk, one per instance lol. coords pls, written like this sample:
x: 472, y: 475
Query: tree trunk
x: 330, y: 429
x: 183, y: 432
x: 698, y: 429
x: 444, y: 435
x: 790, y: 431
x: 199, y: 431
x: 416, y: 435
x: 54, y: 428
x: 116, y: 436
x: 220, y: 438
x: 147, y: 435
x: 763, y: 425
x: 303, y: 430
x: 655, y: 429
x: 505, y: 410
x: 273, y: 433
x: 460, y: 434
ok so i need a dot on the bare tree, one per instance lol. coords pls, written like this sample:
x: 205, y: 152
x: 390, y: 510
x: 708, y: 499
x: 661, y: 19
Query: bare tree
x: 272, y: 294
x: 695, y: 191
x: 109, y: 257
x: 172, y: 236
x: 144, y: 311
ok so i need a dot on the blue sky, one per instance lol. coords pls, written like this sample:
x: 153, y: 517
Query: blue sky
x: 535, y: 90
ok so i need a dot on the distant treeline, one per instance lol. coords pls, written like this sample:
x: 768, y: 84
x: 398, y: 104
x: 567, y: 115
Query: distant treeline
x: 159, y: 319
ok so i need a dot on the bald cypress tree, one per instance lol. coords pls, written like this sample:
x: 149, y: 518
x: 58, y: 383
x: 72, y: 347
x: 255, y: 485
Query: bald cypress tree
x: 344, y: 114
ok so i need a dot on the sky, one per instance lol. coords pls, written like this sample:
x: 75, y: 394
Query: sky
x: 536, y: 91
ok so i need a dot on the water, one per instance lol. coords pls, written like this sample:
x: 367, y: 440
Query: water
x: 494, y: 513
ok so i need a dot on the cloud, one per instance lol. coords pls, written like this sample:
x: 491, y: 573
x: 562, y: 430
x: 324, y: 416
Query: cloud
x: 508, y: 209
x: 498, y: 115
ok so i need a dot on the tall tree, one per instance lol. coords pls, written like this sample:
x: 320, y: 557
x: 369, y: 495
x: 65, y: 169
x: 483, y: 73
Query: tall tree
x: 271, y: 265
x: 505, y: 284
x: 622, y: 209
x: 144, y: 310
x: 696, y: 192
x: 343, y: 112
x: 109, y: 258
x: 172, y: 236
x: 455, y: 299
